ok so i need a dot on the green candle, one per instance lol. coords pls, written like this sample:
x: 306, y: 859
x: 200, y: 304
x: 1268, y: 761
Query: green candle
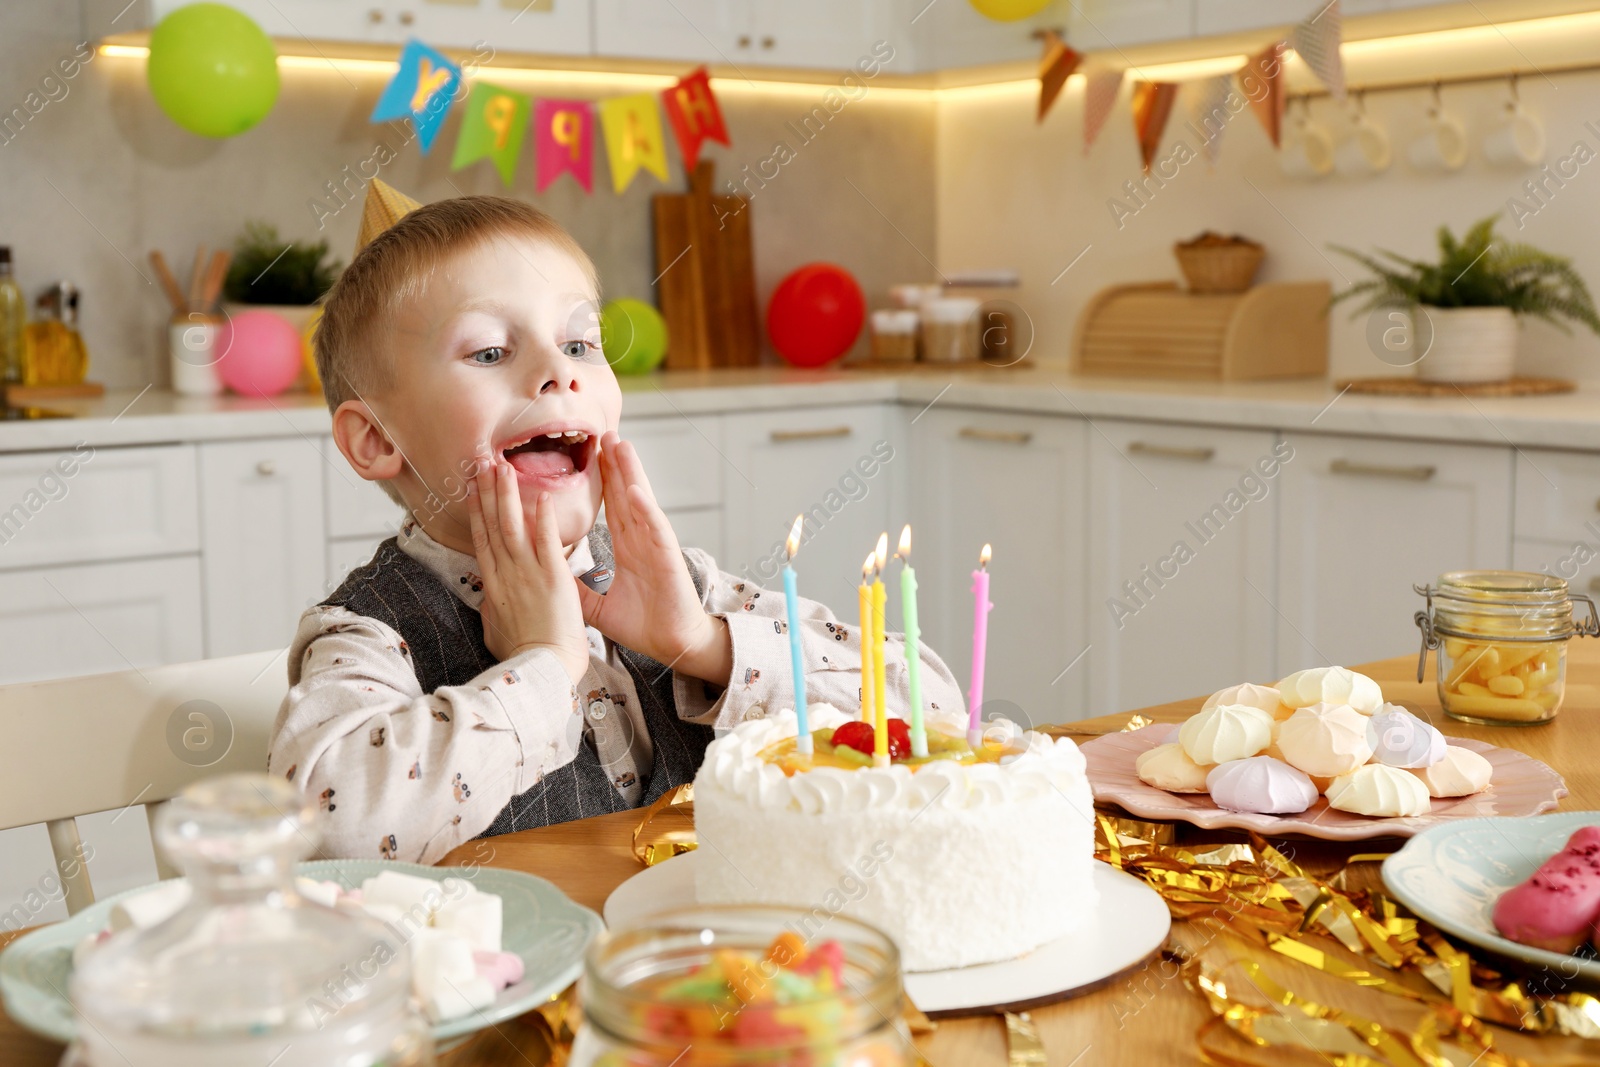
x: 908, y: 607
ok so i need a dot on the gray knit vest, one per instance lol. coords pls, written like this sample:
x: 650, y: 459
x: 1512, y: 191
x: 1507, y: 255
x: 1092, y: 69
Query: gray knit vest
x: 445, y: 637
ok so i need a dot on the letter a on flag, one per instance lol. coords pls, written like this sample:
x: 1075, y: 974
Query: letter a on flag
x: 633, y: 133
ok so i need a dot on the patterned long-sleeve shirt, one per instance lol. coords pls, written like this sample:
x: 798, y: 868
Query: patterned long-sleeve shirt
x: 388, y: 762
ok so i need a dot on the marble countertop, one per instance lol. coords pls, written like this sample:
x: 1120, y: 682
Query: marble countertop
x: 1570, y: 421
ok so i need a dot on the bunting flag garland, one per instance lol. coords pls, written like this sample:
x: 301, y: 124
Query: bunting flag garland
x: 1317, y: 41
x: 421, y: 90
x: 492, y: 125
x: 563, y: 141
x: 1056, y: 66
x: 1211, y: 113
x: 692, y: 109
x: 1152, y: 106
x: 1099, y: 96
x: 632, y: 129
x: 1262, y: 81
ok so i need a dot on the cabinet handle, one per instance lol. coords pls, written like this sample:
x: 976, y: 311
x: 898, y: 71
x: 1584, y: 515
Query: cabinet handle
x: 1594, y: 586
x: 407, y: 18
x: 1007, y: 437
x: 1420, y: 473
x: 375, y: 16
x: 744, y: 40
x: 266, y: 468
x: 1199, y: 454
x: 767, y: 42
x: 779, y: 436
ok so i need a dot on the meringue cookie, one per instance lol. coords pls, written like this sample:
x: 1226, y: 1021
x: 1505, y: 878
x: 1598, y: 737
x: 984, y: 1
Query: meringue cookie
x: 1260, y: 784
x: 1169, y: 767
x: 1331, y: 685
x: 1325, y: 740
x: 1256, y: 696
x: 1321, y: 781
x: 1386, y: 792
x: 1400, y: 739
x: 1460, y: 773
x: 1225, y: 732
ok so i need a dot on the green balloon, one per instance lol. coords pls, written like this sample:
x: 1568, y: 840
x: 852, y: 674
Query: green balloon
x: 212, y: 70
x: 634, y: 336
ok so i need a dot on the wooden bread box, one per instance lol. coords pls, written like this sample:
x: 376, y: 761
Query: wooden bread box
x: 1157, y: 330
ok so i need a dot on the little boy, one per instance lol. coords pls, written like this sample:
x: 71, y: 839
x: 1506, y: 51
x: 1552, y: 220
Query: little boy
x: 479, y: 675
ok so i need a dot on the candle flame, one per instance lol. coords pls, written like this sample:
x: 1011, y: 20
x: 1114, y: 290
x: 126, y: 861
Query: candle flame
x: 793, y: 543
x: 866, y: 568
x: 904, y: 551
x: 983, y: 557
x: 881, y: 553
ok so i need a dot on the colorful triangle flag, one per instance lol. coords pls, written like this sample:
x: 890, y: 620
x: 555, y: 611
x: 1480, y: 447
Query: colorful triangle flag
x: 421, y: 90
x: 692, y: 109
x: 1152, y: 106
x: 1317, y: 41
x: 1211, y: 113
x: 1262, y: 81
x: 563, y: 141
x: 1099, y: 96
x: 632, y: 129
x: 383, y: 207
x: 492, y: 125
x: 1055, y: 67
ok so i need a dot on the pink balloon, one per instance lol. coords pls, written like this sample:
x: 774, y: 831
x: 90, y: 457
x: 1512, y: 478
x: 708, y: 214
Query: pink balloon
x: 260, y: 353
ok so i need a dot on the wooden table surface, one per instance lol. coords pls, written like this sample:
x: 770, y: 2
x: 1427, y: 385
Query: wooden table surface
x: 1147, y: 1016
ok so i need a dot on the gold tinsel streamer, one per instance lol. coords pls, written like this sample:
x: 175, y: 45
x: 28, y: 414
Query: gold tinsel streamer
x: 667, y: 829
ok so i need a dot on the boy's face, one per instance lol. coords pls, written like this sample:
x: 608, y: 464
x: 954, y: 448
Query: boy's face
x: 501, y: 350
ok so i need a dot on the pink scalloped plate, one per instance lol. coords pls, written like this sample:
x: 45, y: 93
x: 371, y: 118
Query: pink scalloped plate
x: 1520, y: 785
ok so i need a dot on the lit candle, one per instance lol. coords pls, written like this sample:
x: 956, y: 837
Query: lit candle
x: 802, y: 740
x: 880, y: 700
x: 980, y: 646
x: 864, y: 594
x: 908, y: 608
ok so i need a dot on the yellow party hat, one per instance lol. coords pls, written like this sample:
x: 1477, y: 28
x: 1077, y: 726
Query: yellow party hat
x: 384, y: 207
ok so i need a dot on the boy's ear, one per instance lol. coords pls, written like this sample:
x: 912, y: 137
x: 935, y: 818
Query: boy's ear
x: 361, y: 439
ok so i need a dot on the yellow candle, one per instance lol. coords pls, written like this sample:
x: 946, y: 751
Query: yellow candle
x: 880, y: 596
x: 864, y: 595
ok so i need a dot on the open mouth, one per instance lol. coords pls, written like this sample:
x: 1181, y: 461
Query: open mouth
x: 552, y: 455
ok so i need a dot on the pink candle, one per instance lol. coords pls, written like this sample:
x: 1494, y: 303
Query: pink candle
x: 980, y: 646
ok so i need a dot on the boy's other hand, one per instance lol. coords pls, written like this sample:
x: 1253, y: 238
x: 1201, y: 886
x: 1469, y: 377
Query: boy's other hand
x: 528, y: 596
x: 651, y: 605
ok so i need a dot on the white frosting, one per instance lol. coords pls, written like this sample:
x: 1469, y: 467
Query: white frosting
x: 1325, y: 739
x: 1260, y: 784
x: 1225, y: 732
x: 1255, y: 696
x: 1460, y: 773
x: 1385, y: 792
x: 959, y: 864
x: 1400, y: 739
x: 1331, y: 685
x: 1169, y: 767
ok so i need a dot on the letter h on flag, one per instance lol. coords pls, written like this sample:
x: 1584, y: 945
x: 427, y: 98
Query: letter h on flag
x: 692, y: 109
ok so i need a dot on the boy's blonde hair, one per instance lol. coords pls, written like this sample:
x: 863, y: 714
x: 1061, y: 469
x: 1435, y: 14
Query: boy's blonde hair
x: 394, y: 267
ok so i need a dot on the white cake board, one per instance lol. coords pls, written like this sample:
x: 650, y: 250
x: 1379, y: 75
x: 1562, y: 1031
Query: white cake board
x: 1128, y: 925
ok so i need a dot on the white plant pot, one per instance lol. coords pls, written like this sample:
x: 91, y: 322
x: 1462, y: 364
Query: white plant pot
x: 1469, y: 345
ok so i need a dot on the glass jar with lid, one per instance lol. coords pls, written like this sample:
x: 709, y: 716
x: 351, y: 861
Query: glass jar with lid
x: 1502, y: 640
x: 733, y: 986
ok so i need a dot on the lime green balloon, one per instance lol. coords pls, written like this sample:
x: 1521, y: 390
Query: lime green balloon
x: 212, y: 70
x: 634, y: 336
x: 1009, y: 10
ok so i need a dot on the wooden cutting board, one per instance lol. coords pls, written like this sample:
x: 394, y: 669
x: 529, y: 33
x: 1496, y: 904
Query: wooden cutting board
x: 706, y: 281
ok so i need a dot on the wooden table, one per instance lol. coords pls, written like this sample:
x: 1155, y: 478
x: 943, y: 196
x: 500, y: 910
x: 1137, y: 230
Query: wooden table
x: 1146, y: 1017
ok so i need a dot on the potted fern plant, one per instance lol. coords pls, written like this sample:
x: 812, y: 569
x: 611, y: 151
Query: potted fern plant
x: 1472, y: 298
x: 271, y: 274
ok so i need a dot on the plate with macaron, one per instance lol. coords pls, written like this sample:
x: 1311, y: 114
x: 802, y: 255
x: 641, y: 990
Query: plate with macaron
x: 1320, y: 754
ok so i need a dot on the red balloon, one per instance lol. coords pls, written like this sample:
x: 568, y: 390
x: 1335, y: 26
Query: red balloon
x: 815, y: 314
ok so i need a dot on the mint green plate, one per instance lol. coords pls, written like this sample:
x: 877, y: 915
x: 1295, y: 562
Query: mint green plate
x: 540, y: 924
x: 1452, y: 874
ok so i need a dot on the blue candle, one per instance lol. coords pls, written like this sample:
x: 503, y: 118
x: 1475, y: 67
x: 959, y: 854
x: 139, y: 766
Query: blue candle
x: 802, y: 741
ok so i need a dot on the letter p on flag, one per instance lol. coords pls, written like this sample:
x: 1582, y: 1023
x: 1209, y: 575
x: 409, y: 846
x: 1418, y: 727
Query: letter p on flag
x: 692, y: 109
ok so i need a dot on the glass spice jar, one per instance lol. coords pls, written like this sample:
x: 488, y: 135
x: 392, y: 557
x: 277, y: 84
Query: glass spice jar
x: 731, y: 986
x: 1502, y: 640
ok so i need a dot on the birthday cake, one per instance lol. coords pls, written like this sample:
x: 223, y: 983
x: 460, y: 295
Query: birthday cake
x: 962, y: 857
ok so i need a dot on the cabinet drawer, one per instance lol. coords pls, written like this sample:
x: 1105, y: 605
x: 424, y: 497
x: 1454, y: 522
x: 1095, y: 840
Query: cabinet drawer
x: 682, y: 459
x: 84, y: 504
x: 356, y: 507
x: 1558, y: 495
x: 57, y: 622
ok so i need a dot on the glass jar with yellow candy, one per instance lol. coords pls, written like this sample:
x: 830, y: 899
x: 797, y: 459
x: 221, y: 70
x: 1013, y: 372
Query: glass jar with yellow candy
x: 1502, y: 643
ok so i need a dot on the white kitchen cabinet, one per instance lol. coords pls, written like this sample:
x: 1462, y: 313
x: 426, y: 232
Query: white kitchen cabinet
x: 1182, y: 528
x: 835, y: 465
x: 354, y: 506
x: 1364, y: 519
x: 345, y: 554
x: 833, y: 34
x: 1558, y: 496
x: 1094, y: 25
x: 98, y: 617
x: 682, y: 458
x: 354, y: 21
x: 945, y: 35
x: 704, y: 31
x: 699, y: 528
x: 1231, y: 16
x: 261, y: 514
x: 1015, y: 482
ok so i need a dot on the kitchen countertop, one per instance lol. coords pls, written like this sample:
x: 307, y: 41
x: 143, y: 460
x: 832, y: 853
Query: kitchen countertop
x: 1570, y: 421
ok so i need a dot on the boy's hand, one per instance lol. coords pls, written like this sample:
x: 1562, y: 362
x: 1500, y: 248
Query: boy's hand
x: 528, y: 597
x: 651, y: 605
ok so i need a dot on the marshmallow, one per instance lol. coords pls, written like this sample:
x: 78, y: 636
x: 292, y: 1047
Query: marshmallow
x: 1460, y: 773
x: 502, y: 969
x: 1169, y: 767
x: 1331, y: 685
x: 451, y: 1000
x: 1384, y: 792
x: 417, y: 898
x: 324, y: 893
x: 475, y: 917
x: 1260, y: 784
x: 444, y: 975
x: 1225, y: 732
x: 1400, y: 739
x: 155, y: 905
x: 1325, y: 740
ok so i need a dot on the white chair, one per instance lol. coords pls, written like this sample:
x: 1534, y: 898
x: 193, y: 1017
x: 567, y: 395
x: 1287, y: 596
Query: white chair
x: 82, y: 745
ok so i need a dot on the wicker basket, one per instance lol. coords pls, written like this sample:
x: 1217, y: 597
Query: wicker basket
x: 1219, y: 268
